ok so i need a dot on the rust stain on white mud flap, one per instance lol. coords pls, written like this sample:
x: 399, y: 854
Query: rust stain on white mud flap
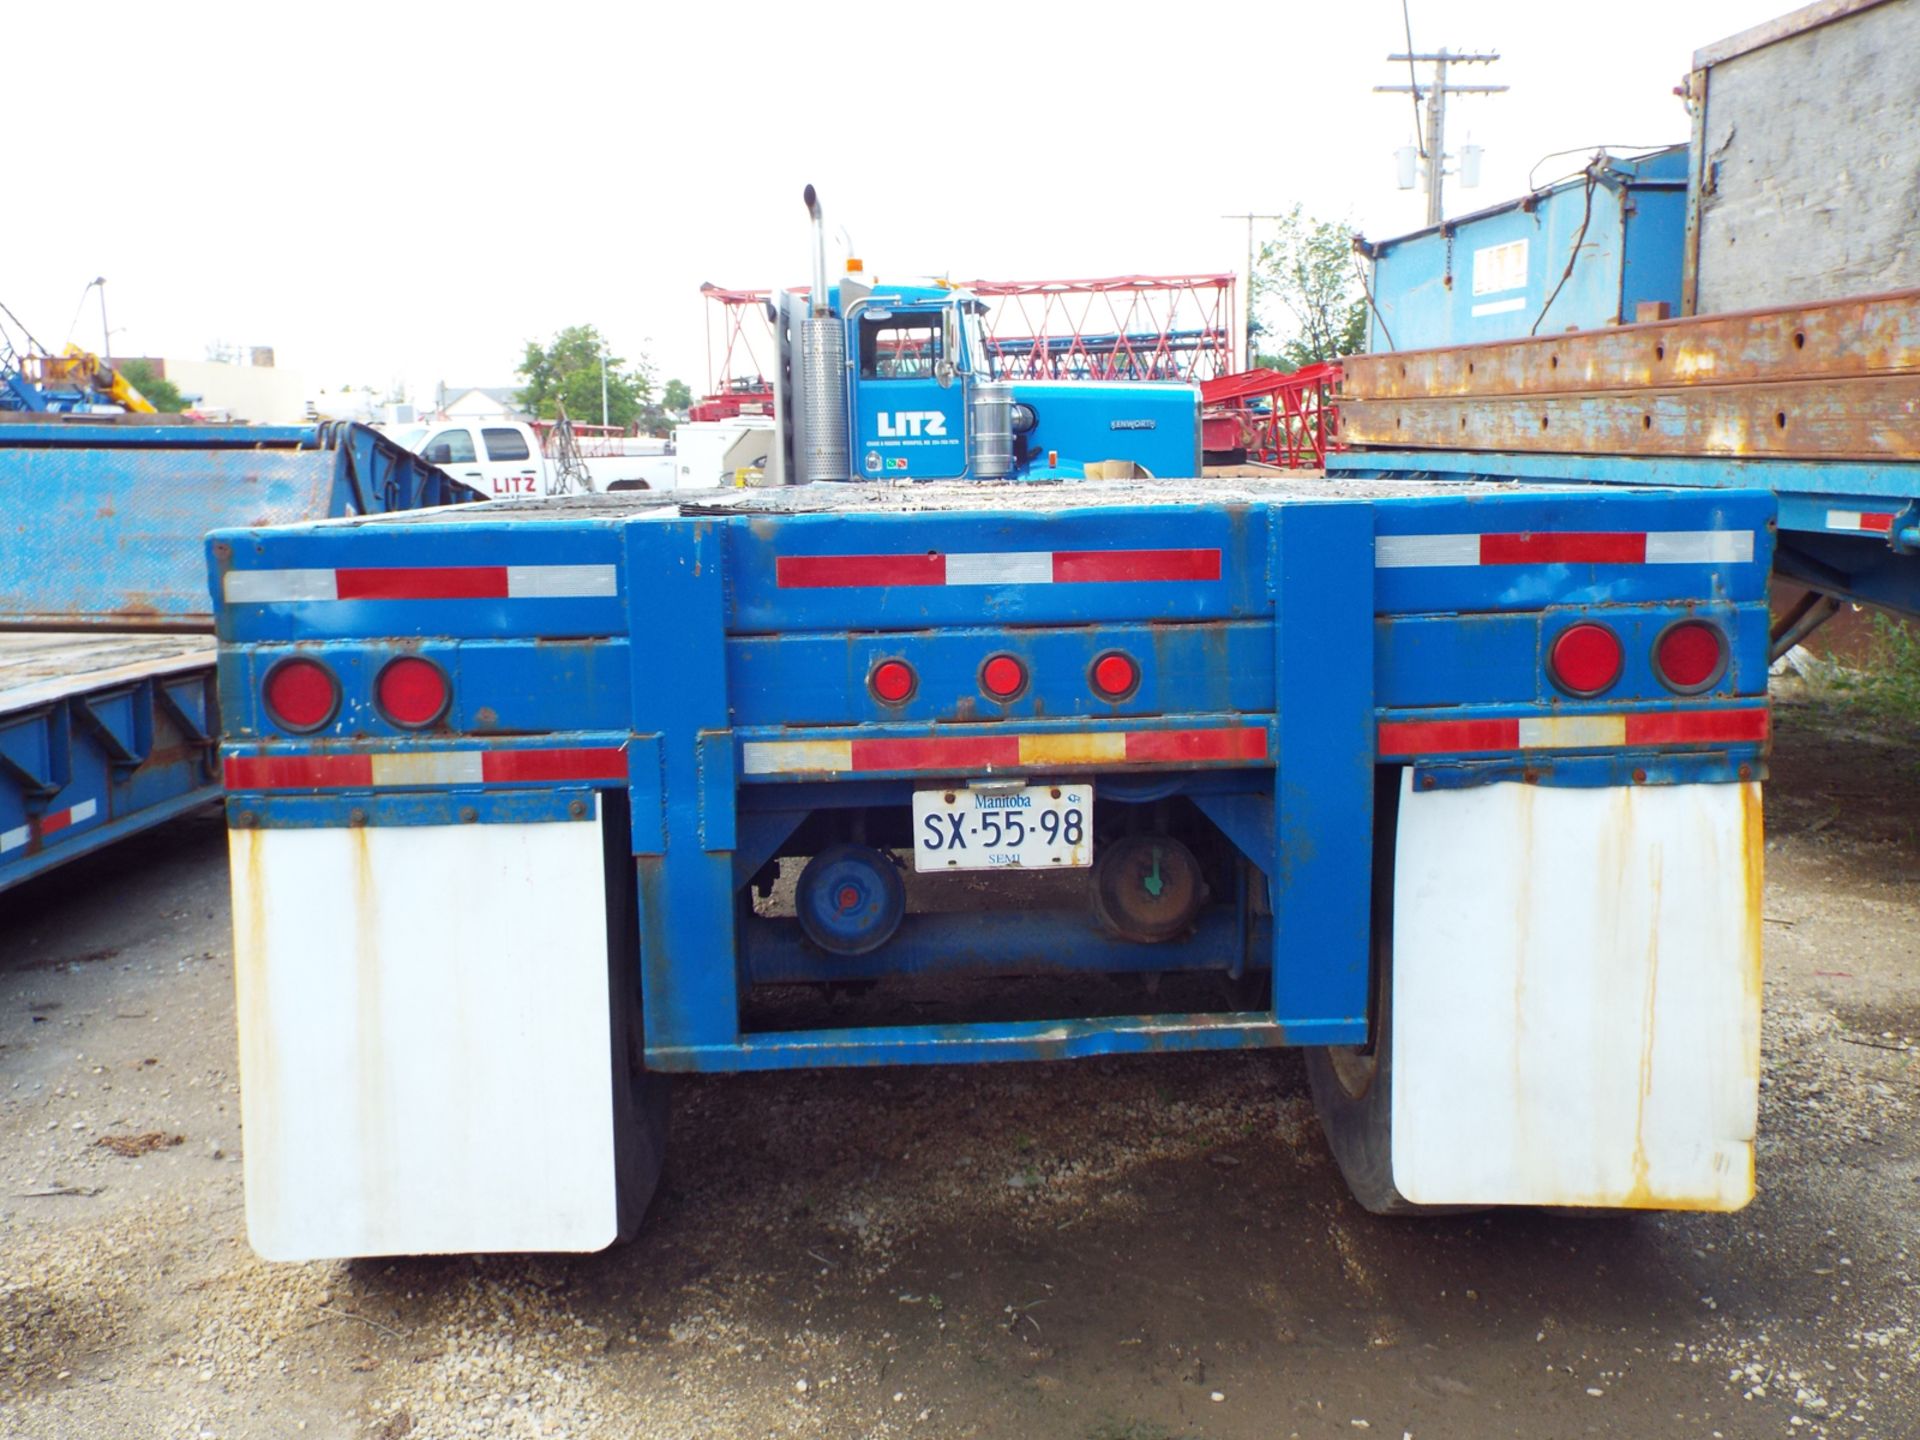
x: 425, y: 1052
x: 1576, y: 995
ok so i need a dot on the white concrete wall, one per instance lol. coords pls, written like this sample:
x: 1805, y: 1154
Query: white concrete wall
x: 263, y: 394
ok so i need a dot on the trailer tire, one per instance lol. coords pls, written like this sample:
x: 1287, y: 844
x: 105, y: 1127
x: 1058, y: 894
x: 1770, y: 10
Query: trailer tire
x: 641, y: 1148
x: 1353, y: 1096
x: 641, y: 1097
x: 1353, y: 1085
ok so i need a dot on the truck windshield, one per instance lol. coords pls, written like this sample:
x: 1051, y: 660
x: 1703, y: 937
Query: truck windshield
x: 409, y: 438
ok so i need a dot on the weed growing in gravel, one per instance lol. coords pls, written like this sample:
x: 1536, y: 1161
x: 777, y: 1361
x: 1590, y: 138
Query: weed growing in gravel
x: 1887, y: 691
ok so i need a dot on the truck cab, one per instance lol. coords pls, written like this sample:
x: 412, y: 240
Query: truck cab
x: 923, y: 391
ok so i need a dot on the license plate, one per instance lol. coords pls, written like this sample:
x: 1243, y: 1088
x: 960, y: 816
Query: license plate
x: 1036, y: 827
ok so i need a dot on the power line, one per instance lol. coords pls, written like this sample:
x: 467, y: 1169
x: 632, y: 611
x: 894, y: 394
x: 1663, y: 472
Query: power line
x: 1413, y: 78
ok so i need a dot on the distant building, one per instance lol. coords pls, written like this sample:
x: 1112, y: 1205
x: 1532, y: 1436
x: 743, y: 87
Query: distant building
x: 260, y: 392
x: 481, y: 402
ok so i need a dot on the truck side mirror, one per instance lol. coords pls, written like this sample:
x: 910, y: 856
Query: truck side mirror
x: 943, y: 372
x: 439, y: 453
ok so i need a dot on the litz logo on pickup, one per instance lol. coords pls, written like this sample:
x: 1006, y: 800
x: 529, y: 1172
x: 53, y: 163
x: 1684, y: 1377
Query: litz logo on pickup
x: 1133, y: 424
x: 912, y: 424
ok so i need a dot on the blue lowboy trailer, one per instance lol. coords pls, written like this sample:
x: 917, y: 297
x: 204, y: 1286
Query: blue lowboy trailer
x: 1455, y: 786
x: 108, y: 715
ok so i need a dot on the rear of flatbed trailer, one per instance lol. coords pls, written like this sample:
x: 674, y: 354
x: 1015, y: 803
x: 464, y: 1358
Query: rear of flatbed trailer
x: 1455, y: 786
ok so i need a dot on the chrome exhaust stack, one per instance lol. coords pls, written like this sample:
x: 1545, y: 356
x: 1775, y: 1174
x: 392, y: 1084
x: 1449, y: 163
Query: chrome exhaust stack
x: 821, y: 439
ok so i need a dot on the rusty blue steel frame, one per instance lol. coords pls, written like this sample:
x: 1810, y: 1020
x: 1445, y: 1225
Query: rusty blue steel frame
x: 698, y: 655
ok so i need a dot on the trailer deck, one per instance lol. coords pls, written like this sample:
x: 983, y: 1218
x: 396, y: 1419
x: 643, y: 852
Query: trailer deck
x: 973, y: 496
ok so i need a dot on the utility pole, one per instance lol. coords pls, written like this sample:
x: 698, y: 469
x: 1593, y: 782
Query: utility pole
x: 1247, y: 309
x: 106, y: 335
x: 1433, y: 150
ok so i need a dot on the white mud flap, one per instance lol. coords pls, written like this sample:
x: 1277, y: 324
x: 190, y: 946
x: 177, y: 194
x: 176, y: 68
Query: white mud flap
x: 427, y: 1052
x: 1576, y: 995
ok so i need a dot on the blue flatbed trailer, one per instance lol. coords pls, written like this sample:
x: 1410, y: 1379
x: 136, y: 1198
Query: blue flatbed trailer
x: 108, y: 713
x: 1456, y: 786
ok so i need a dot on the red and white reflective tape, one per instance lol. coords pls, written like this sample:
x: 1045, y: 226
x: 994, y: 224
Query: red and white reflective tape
x: 1408, y: 738
x: 994, y: 567
x: 1002, y: 752
x: 1861, y: 522
x: 422, y: 768
x: 1547, y: 547
x: 421, y: 582
x: 47, y: 824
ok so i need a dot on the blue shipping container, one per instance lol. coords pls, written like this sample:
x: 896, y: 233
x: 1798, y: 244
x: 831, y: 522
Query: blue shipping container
x: 1489, y: 275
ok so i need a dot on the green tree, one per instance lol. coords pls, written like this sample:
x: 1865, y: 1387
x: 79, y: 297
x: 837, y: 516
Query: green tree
x: 568, y: 370
x: 677, y: 398
x: 161, y: 393
x: 1306, y: 283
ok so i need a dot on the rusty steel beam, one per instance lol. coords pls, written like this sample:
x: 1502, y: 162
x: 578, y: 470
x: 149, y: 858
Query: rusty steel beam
x: 1860, y: 336
x: 1866, y: 418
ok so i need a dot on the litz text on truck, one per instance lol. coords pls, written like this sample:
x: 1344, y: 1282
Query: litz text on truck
x: 535, y: 805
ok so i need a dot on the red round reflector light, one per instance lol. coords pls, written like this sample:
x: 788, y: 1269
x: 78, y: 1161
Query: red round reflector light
x: 892, y: 681
x: 301, y: 694
x: 413, y: 693
x: 1115, y: 676
x: 1690, y: 656
x: 1003, y: 677
x: 1585, y: 659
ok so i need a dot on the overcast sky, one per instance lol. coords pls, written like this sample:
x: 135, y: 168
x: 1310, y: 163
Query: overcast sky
x: 409, y: 192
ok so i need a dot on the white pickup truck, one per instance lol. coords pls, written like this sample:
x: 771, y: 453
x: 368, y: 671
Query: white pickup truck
x: 503, y: 458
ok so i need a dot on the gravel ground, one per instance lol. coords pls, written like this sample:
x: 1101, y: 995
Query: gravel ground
x: 1110, y: 1250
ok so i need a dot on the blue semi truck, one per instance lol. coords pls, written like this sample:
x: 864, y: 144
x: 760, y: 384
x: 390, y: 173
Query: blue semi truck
x: 896, y: 382
x: 1454, y: 786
